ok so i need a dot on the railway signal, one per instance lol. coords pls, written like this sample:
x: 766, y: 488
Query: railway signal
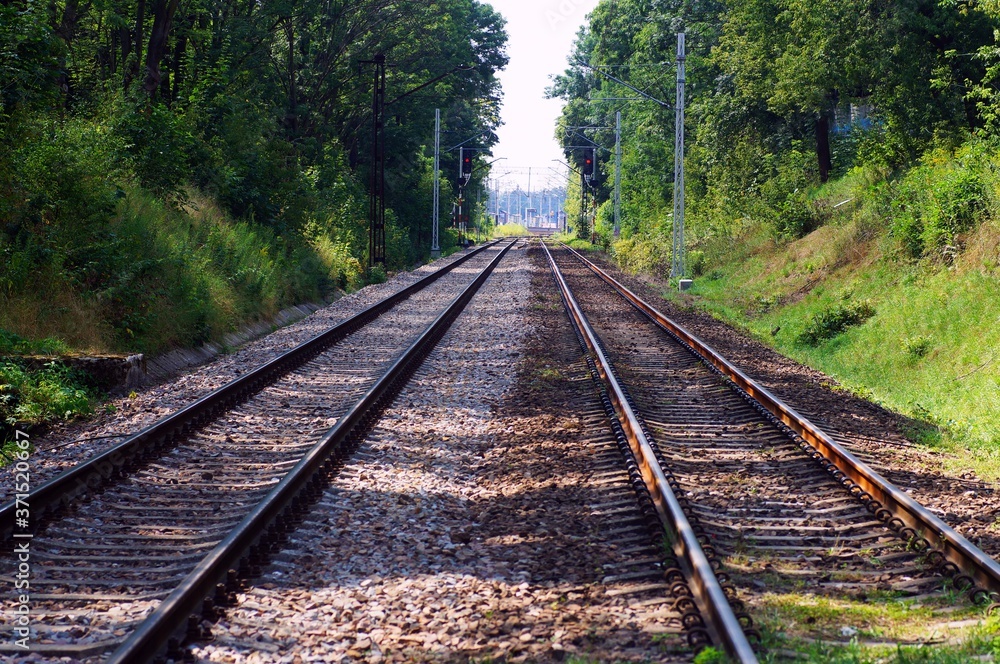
x: 465, y: 166
x: 589, y: 163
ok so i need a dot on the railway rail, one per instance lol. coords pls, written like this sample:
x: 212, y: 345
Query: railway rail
x: 738, y: 474
x: 140, y: 546
x: 133, y: 545
x: 508, y: 529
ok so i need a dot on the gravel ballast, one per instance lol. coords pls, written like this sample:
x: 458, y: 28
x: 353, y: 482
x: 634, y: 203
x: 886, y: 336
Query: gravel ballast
x: 464, y: 527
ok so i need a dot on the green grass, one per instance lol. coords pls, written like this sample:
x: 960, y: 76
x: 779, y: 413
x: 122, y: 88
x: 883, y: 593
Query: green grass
x: 575, y: 242
x: 919, y: 337
x: 820, y: 629
x: 29, y: 398
x: 159, y: 276
x: 510, y: 230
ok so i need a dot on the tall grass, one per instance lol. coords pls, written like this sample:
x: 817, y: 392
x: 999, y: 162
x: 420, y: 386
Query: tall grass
x: 163, y: 277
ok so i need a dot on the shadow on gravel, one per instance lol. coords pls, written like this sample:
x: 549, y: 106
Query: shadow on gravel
x: 504, y: 554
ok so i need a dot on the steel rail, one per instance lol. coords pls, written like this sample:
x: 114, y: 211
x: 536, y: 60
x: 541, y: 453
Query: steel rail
x: 265, y: 521
x: 86, y: 477
x: 723, y: 625
x: 955, y: 548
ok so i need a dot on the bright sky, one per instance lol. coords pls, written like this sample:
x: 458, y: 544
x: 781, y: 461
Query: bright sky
x: 541, y: 34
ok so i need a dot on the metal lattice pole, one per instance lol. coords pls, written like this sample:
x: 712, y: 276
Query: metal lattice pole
x: 376, y: 194
x: 677, y: 255
x: 436, y: 217
x: 618, y: 173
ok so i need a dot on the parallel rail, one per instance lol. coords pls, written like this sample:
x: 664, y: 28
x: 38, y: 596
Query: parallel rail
x: 975, y: 570
x: 266, y: 524
x: 87, y: 477
x: 723, y: 625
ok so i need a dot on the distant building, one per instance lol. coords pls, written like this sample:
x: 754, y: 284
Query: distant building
x: 850, y: 116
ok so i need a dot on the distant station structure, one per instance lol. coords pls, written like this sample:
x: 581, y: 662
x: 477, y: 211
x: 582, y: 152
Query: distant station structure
x: 549, y: 224
x: 534, y: 198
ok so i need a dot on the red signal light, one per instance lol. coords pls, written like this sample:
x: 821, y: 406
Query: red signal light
x: 465, y: 167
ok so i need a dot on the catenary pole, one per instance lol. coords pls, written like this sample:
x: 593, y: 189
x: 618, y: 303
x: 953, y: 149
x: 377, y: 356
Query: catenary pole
x: 436, y: 216
x: 618, y: 173
x: 677, y: 256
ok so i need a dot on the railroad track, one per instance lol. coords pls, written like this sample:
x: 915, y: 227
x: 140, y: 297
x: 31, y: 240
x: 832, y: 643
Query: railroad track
x: 131, y: 546
x: 738, y: 476
x: 495, y: 528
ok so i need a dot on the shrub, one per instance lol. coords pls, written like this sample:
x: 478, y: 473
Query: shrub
x: 696, y: 262
x: 65, y: 173
x: 834, y: 320
x: 958, y: 199
x: 376, y: 274
x: 643, y: 253
x: 27, y: 398
x: 13, y: 344
x: 711, y: 656
x: 344, y: 270
x: 908, y: 228
x: 934, y: 203
x: 795, y: 217
x: 158, y: 144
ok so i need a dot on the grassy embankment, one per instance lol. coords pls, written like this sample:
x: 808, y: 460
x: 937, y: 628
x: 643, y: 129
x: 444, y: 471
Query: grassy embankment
x: 161, y: 276
x: 896, y: 294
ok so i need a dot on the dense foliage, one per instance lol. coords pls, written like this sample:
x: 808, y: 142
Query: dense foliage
x: 169, y: 170
x: 782, y: 96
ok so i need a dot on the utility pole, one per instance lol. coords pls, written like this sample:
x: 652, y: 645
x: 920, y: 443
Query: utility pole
x: 436, y: 221
x: 677, y: 262
x: 529, y: 192
x: 376, y: 180
x: 376, y: 190
x: 479, y: 194
x: 618, y: 173
x: 461, y: 197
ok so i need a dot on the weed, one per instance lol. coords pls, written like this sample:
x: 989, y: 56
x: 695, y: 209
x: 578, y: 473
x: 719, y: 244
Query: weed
x: 13, y: 344
x: 917, y: 346
x: 711, y: 656
x: 549, y: 374
x: 834, y: 320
